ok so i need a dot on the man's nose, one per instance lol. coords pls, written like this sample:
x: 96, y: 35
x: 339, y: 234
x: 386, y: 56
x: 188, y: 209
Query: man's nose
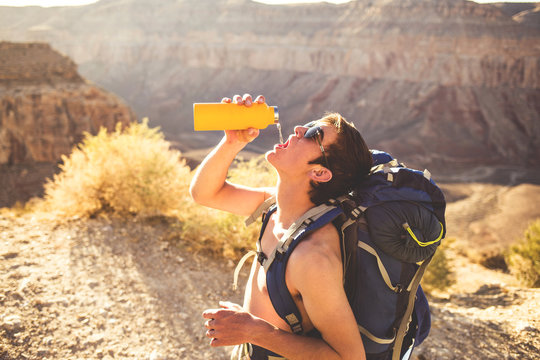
x: 299, y: 130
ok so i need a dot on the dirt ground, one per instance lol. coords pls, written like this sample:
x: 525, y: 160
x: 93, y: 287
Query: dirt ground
x: 105, y: 289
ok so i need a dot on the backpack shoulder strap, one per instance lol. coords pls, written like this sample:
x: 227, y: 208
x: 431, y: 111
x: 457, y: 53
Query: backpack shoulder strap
x: 276, y: 266
x: 319, y: 215
x: 268, y: 208
x: 261, y: 209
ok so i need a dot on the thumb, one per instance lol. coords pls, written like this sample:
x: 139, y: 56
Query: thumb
x: 229, y: 305
x: 225, y: 304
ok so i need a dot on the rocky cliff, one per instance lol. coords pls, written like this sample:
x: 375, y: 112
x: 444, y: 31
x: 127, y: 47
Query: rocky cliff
x: 527, y: 14
x: 449, y: 84
x: 46, y: 106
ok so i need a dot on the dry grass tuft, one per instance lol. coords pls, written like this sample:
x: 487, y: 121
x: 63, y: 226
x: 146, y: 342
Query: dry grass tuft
x: 439, y: 275
x: 134, y: 172
x: 221, y: 233
x: 128, y: 171
x: 524, y: 258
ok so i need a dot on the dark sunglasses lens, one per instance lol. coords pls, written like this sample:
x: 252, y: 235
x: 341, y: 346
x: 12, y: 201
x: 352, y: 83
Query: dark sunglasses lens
x: 314, y: 131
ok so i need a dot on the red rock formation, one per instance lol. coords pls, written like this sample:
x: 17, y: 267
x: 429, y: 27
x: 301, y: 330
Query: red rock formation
x: 46, y: 106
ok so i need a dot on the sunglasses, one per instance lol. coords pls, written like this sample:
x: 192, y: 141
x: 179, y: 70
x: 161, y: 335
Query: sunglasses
x: 316, y: 132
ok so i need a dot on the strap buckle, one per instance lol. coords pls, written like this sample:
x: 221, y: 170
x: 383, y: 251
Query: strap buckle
x: 261, y: 257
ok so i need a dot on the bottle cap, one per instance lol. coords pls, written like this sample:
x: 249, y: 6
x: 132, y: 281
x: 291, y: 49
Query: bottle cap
x: 276, y: 114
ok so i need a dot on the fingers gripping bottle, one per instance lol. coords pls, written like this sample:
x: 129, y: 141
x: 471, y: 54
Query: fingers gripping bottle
x: 229, y: 116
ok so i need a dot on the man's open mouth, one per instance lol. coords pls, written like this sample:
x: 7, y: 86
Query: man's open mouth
x: 284, y: 145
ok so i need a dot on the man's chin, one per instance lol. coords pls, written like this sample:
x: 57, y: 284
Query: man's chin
x: 270, y: 157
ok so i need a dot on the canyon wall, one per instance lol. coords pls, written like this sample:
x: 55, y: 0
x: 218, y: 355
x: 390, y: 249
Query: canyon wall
x: 46, y: 107
x: 448, y: 84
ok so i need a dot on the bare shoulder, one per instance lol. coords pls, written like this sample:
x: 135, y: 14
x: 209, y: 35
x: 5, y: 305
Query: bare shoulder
x: 318, y: 253
x: 323, y: 241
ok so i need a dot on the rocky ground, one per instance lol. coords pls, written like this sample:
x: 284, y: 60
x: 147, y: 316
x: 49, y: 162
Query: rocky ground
x: 105, y: 289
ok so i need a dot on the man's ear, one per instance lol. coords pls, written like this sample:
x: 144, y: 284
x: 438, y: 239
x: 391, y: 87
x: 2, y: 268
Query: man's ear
x: 320, y: 174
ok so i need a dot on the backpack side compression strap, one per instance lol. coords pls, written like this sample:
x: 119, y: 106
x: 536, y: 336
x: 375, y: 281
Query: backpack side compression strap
x: 382, y: 269
x: 403, y: 326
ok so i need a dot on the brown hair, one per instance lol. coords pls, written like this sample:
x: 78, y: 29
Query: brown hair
x: 348, y: 157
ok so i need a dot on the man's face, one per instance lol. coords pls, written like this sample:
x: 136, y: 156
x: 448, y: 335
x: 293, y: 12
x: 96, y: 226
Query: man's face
x: 308, y: 143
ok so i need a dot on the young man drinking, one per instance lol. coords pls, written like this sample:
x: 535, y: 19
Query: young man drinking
x: 321, y: 160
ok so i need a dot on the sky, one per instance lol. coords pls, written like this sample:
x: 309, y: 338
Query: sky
x: 47, y: 3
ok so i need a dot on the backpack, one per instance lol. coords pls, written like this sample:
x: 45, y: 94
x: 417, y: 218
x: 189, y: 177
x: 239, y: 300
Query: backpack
x: 390, y: 226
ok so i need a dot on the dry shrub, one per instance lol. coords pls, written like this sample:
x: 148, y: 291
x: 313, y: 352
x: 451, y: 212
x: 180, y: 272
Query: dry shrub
x: 128, y: 171
x: 439, y: 275
x: 133, y: 171
x: 219, y: 232
x: 524, y: 258
x: 256, y: 172
x: 494, y: 261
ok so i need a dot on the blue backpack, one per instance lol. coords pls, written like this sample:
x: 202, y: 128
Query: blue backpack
x: 390, y: 227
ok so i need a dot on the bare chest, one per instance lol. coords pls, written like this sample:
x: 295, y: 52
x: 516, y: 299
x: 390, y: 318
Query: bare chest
x: 256, y: 297
x: 271, y: 237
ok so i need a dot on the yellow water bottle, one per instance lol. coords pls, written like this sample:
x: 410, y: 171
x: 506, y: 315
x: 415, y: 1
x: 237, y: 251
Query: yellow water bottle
x: 230, y: 116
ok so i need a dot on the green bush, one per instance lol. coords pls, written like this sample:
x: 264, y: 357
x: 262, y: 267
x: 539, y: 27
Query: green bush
x: 524, y: 258
x: 439, y: 275
x: 128, y: 171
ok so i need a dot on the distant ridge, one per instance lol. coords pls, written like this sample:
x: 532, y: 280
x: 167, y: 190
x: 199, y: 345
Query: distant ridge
x: 444, y: 84
x: 35, y: 64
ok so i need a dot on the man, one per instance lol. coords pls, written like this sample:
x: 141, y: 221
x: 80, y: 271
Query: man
x: 325, y: 163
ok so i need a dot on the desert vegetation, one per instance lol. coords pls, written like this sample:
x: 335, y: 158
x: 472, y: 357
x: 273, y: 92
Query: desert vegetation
x: 117, y: 233
x: 523, y: 258
x: 128, y: 171
x: 134, y: 172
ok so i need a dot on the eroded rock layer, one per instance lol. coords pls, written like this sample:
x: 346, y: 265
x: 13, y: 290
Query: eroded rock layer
x: 45, y: 108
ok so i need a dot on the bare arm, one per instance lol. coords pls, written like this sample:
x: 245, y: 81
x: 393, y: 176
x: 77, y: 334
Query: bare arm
x: 318, y: 278
x: 232, y: 325
x: 209, y: 186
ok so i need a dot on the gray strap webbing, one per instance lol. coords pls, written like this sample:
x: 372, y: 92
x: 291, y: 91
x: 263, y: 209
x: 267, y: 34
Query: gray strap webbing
x: 300, y: 224
x: 385, y: 167
x: 239, y: 266
x: 382, y: 269
x: 342, y: 239
x: 374, y: 338
x: 403, y: 327
x: 242, y: 352
x: 282, y: 246
x: 265, y: 205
